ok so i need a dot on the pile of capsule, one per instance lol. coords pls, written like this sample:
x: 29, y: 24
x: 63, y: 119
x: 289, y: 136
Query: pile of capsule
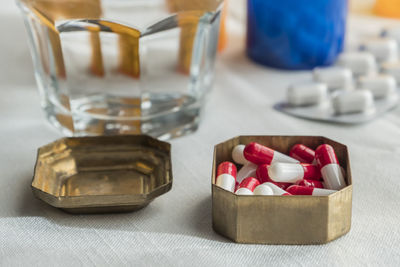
x: 265, y: 171
x: 360, y: 77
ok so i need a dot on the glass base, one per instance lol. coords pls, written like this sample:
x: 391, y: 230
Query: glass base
x: 178, y: 122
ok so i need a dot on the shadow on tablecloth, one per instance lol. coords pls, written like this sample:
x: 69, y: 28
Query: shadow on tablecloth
x: 158, y: 217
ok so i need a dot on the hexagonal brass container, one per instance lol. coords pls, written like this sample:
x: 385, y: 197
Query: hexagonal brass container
x: 281, y: 219
x: 102, y: 174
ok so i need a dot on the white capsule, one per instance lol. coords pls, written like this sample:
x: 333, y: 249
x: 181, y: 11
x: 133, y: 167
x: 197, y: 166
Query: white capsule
x: 286, y: 172
x: 237, y: 155
x: 323, y: 192
x: 381, y: 86
x: 393, y: 69
x: 226, y: 181
x: 383, y: 49
x: 248, y: 170
x: 277, y: 190
x: 244, y: 192
x: 333, y: 176
x: 280, y: 157
x: 353, y: 102
x: 263, y: 190
x: 334, y: 77
x: 307, y: 94
x: 360, y: 63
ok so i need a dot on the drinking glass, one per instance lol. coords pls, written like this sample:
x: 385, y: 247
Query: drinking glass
x: 123, y: 66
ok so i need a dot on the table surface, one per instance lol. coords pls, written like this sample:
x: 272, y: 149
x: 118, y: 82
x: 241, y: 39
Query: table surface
x: 175, y: 230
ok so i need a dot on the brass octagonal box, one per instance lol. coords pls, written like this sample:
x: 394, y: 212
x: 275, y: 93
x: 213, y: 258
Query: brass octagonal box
x: 281, y: 219
x: 103, y: 173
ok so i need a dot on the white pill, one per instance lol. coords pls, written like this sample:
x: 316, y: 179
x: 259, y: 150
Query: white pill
x: 291, y: 173
x: 263, y: 190
x: 353, y: 102
x: 392, y: 32
x: 393, y: 69
x: 383, y: 49
x: 360, y: 63
x: 248, y: 170
x: 307, y: 94
x: 244, y: 192
x: 334, y: 77
x: 226, y: 181
x: 237, y: 155
x: 381, y: 86
x: 276, y: 189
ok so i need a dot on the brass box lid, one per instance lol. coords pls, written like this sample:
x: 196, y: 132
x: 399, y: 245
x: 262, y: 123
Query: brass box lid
x: 103, y: 173
x: 296, y: 220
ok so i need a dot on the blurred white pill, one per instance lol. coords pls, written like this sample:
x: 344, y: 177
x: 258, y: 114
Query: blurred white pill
x: 263, y: 190
x: 353, y: 102
x: 237, y: 155
x: 244, y: 192
x: 383, y: 49
x: 248, y: 170
x: 307, y: 94
x: 392, y: 68
x: 334, y: 77
x: 360, y: 63
x: 392, y: 32
x: 276, y: 189
x: 381, y: 85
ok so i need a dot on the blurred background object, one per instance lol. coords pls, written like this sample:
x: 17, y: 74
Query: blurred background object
x: 223, y: 34
x: 388, y: 8
x: 384, y: 8
x: 361, y: 6
x: 294, y: 34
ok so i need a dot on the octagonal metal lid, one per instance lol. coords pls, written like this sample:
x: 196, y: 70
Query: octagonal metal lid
x: 103, y: 173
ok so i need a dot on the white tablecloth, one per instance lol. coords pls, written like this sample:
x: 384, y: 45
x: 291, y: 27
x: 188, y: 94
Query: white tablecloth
x: 175, y: 230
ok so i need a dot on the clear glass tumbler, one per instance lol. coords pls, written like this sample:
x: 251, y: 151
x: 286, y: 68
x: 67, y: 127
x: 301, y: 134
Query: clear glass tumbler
x: 123, y: 66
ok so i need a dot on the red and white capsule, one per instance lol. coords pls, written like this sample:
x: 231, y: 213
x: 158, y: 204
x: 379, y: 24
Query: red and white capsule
x: 302, y: 153
x: 263, y: 176
x: 330, y: 169
x: 226, y: 176
x: 247, y: 186
x: 263, y: 190
x: 310, y: 183
x: 259, y: 154
x: 237, y: 155
x: 277, y: 190
x: 247, y: 170
x: 291, y: 173
x: 309, y: 191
